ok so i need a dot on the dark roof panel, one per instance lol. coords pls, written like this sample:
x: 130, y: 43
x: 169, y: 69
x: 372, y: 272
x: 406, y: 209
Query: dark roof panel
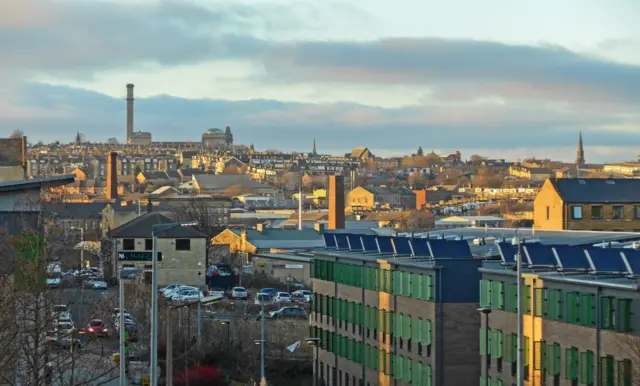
x: 598, y: 190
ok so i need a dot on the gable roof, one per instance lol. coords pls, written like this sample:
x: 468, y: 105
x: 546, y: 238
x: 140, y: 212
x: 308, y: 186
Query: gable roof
x: 140, y: 228
x: 597, y: 190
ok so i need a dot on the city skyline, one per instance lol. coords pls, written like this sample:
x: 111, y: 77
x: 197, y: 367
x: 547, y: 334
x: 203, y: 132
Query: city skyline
x: 513, y: 83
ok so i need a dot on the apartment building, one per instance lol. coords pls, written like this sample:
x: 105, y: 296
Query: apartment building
x: 580, y: 316
x: 395, y: 311
x: 588, y: 204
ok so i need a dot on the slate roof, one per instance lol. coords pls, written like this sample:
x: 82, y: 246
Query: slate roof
x: 598, y: 190
x: 283, y: 238
x: 223, y: 181
x: 36, y: 182
x: 76, y: 210
x: 140, y: 228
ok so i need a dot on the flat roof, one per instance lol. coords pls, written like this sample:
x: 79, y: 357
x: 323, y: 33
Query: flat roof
x: 36, y: 182
x: 286, y: 256
x: 574, y: 238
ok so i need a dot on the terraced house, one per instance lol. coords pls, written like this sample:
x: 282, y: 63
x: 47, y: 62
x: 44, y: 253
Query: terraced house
x: 580, y: 316
x: 395, y: 311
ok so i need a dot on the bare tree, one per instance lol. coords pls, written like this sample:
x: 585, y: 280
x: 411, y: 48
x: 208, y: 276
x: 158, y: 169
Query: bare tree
x: 17, y: 133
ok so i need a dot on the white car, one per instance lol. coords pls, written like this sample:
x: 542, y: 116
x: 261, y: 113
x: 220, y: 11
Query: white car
x: 53, y: 282
x: 64, y: 326
x: 303, y: 296
x: 96, y: 284
x: 59, y: 309
x: 263, y: 298
x: 169, y: 293
x: 216, y: 292
x: 283, y: 297
x: 239, y: 293
x: 187, y: 295
x: 169, y: 288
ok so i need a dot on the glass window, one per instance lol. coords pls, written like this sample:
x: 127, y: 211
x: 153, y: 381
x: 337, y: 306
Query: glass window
x: 618, y: 212
x: 596, y: 212
x: 183, y: 244
x: 576, y: 212
x: 623, y: 315
x: 148, y: 244
x: 636, y: 211
x: 128, y: 244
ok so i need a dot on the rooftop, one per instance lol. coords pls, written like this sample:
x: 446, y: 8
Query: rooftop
x: 37, y: 182
x: 140, y: 228
x: 598, y: 190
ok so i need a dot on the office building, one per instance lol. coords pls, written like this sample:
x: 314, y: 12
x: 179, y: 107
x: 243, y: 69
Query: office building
x: 580, y: 323
x: 395, y: 311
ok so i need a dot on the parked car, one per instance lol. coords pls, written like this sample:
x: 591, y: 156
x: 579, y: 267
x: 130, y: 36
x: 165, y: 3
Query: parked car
x: 53, y: 282
x: 239, y: 293
x: 304, y: 296
x: 216, y: 292
x: 263, y: 298
x: 58, y: 310
x: 269, y: 291
x: 64, y: 340
x: 96, y: 284
x: 187, y: 295
x: 170, y: 287
x: 96, y: 327
x: 283, y: 297
x: 169, y: 293
x: 64, y: 326
x: 288, y: 312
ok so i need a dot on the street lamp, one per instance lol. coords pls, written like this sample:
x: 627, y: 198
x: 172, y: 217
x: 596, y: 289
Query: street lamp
x: 121, y: 323
x: 486, y: 312
x: 158, y: 228
x: 520, y: 360
x: 199, y: 301
x: 315, y: 342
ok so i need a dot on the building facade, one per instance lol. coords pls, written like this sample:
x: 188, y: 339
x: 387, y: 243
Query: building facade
x: 218, y: 139
x: 588, y: 204
x: 578, y: 327
x: 385, y: 320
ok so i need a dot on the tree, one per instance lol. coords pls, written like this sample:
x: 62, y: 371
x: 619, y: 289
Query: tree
x: 17, y: 133
x: 204, y: 212
x: 477, y: 159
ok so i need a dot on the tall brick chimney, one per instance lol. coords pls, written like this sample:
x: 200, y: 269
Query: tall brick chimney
x: 112, y: 176
x: 336, y: 202
x: 129, y: 113
x: 421, y: 198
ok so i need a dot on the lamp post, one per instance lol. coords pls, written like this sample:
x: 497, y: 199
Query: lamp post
x: 260, y: 342
x: 315, y: 342
x: 158, y: 228
x: 199, y: 302
x: 520, y: 359
x: 121, y: 325
x: 486, y: 312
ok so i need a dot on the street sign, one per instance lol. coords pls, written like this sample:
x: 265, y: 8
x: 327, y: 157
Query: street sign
x: 134, y: 256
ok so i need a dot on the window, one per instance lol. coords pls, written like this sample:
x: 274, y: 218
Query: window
x: 183, y: 244
x: 553, y: 353
x: 596, y: 212
x: 554, y: 304
x: 548, y: 213
x: 485, y: 293
x: 606, y: 313
x: 497, y: 300
x: 624, y: 373
x: 511, y: 297
x: 623, y: 315
x: 606, y: 371
x: 618, y: 212
x: 587, y: 310
x: 128, y: 244
x: 571, y: 363
x: 636, y: 211
x: 572, y: 307
x: 576, y: 212
x: 148, y: 244
x: 586, y: 368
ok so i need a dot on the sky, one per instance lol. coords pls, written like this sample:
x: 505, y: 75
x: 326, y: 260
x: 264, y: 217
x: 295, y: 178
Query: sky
x: 499, y: 78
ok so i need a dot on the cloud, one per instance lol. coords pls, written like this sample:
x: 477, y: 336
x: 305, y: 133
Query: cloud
x: 293, y: 126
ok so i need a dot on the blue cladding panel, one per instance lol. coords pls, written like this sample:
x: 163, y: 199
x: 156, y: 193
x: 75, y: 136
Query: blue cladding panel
x: 369, y: 243
x: 607, y: 259
x: 420, y: 247
x: 450, y: 249
x: 402, y: 246
x: 541, y: 254
x: 329, y: 241
x: 633, y: 257
x: 572, y: 257
x: 460, y: 280
x: 354, y: 242
x: 385, y: 245
x: 341, y: 241
x: 507, y: 252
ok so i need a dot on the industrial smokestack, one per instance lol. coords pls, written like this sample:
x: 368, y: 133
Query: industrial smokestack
x: 129, y: 113
x: 336, y: 202
x: 112, y: 176
x: 300, y: 198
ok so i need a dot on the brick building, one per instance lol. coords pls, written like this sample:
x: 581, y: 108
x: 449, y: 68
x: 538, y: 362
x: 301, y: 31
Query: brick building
x: 388, y: 313
x: 588, y: 204
x: 580, y: 322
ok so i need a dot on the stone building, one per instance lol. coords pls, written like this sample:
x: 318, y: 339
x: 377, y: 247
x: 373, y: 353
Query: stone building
x: 218, y: 139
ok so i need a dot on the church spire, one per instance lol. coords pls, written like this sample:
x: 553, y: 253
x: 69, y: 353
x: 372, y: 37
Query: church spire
x: 580, y: 155
x: 313, y: 152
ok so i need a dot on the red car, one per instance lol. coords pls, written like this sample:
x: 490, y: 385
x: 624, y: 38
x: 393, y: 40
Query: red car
x: 96, y: 327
